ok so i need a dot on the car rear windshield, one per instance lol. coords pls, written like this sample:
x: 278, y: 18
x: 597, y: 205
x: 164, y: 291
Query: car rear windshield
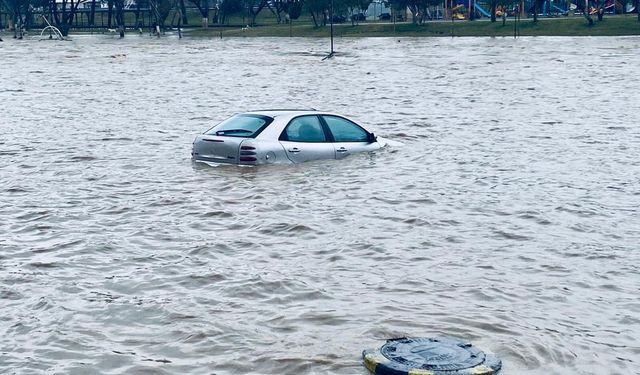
x: 244, y: 126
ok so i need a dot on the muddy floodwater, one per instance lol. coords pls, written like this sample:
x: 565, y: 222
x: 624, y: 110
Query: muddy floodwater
x: 509, y: 218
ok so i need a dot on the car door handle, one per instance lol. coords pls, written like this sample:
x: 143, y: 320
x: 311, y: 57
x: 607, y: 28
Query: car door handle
x: 293, y: 150
x: 341, y: 149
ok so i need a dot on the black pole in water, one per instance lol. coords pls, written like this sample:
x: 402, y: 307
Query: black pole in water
x: 331, y: 15
x: 515, y: 20
x: 452, y: 21
x: 330, y: 55
x: 519, y: 13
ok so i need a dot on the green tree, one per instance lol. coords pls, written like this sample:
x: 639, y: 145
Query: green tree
x: 203, y: 8
x: 354, y: 6
x: 161, y: 10
x: 119, y: 4
x: 64, y: 14
x: 397, y: 7
x: 293, y: 8
x: 254, y: 7
x: 585, y: 11
x: 318, y: 10
x: 277, y: 7
x: 493, y: 7
x: 227, y: 8
x: 20, y: 11
x: 535, y: 8
x: 420, y: 8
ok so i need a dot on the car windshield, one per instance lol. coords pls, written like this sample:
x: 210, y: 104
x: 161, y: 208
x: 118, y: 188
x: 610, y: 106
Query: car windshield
x: 245, y: 126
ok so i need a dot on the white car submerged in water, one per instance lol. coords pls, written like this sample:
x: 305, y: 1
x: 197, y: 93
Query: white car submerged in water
x: 282, y: 136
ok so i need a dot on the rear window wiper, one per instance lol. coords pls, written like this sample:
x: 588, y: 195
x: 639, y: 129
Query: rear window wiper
x: 222, y: 132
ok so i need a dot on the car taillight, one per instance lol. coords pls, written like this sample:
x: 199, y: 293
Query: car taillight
x: 247, y: 153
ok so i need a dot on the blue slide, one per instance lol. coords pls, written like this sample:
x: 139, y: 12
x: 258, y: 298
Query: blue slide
x: 482, y: 11
x: 558, y: 9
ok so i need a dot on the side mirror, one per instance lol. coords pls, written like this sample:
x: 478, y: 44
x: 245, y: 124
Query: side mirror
x: 371, y: 137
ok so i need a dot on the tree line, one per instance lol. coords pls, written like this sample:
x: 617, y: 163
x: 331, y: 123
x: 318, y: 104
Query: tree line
x: 62, y: 13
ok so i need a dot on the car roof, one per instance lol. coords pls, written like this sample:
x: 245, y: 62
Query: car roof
x: 284, y: 112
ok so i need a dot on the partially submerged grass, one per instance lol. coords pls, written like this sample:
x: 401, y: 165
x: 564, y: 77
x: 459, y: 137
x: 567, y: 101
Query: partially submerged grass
x: 565, y: 26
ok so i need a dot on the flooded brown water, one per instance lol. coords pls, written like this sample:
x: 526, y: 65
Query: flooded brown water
x: 510, y: 217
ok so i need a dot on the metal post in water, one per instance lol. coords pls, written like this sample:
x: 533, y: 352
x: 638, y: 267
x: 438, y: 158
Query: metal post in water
x: 519, y: 15
x: 515, y: 23
x: 393, y: 17
x: 331, y: 15
x: 330, y: 55
x: 452, y: 21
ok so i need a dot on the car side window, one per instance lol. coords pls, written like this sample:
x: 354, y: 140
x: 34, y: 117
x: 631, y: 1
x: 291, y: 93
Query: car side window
x: 344, y: 130
x: 304, y: 129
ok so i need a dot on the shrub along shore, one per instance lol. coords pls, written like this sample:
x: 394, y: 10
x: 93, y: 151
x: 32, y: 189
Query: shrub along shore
x: 563, y: 26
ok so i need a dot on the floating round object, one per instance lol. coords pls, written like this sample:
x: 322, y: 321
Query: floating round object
x: 430, y: 356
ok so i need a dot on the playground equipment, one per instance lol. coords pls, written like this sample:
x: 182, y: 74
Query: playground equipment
x: 52, y: 30
x: 482, y: 11
x: 455, y: 9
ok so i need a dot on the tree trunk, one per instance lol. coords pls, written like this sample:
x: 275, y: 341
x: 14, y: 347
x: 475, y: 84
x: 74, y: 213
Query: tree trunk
x: 27, y: 18
x: 276, y: 9
x: 205, y: 15
x: 92, y: 14
x: 601, y: 9
x: 15, y: 23
x: 120, y: 17
x: 64, y: 29
x: 414, y: 14
x: 109, y: 13
x: 183, y: 10
x: 204, y: 12
x: 580, y: 5
x: 137, y: 14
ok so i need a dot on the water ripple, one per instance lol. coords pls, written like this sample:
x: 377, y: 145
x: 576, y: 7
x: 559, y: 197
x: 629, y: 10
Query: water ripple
x: 510, y: 217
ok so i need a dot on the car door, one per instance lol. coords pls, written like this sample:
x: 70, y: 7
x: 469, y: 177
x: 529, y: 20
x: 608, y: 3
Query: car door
x: 304, y: 139
x: 348, y: 136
